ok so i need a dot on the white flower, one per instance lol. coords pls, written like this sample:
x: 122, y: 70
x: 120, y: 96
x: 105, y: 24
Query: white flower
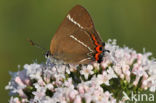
x: 14, y: 100
x: 103, y: 78
x: 49, y: 86
x: 86, y: 71
x: 111, y: 73
x: 39, y: 93
x: 64, y: 83
x: 69, y: 83
x: 78, y: 99
x: 34, y: 71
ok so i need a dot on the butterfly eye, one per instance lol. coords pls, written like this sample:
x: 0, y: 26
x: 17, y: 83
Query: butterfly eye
x: 47, y: 54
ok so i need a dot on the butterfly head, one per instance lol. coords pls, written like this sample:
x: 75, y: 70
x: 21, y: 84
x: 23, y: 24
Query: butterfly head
x: 47, y: 54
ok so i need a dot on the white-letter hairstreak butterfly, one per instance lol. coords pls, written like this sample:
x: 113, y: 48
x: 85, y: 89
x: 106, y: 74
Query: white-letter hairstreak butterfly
x: 76, y: 40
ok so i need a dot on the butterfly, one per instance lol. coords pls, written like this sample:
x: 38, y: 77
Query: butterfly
x: 76, y: 40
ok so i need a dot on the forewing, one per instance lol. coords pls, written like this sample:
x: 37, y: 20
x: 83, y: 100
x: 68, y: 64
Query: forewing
x: 82, y: 19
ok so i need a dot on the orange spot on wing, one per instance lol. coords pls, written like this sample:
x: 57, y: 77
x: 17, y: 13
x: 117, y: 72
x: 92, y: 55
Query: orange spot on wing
x: 97, y: 48
x: 96, y: 43
x: 97, y: 56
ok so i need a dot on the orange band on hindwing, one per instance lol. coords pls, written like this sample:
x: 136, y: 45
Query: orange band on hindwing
x: 93, y: 37
x: 97, y: 48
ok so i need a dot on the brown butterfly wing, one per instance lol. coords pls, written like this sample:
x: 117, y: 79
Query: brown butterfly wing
x: 72, y: 41
x: 81, y: 16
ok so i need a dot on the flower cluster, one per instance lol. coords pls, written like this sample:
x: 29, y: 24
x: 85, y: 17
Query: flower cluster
x: 122, y: 71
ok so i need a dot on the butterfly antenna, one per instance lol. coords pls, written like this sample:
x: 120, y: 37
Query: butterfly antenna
x: 36, y: 45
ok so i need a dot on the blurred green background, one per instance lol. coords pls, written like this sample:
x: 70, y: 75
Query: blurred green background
x: 131, y: 22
